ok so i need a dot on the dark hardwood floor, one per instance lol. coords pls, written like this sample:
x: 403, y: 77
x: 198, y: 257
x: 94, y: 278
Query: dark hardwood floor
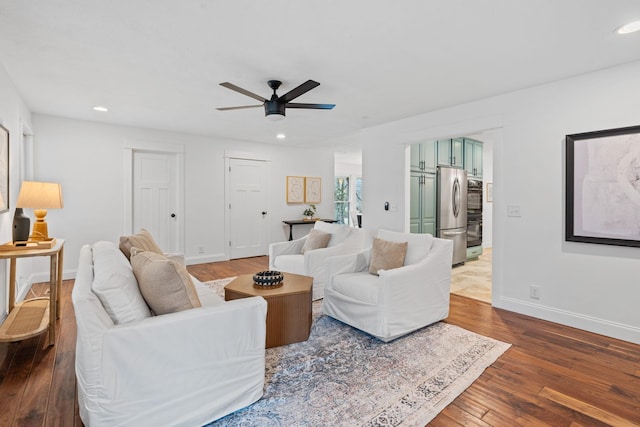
x: 552, y: 375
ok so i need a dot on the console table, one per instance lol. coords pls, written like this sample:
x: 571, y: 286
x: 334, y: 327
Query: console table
x: 292, y: 222
x: 33, y: 316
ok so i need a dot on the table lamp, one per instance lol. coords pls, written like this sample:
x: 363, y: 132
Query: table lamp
x: 39, y: 196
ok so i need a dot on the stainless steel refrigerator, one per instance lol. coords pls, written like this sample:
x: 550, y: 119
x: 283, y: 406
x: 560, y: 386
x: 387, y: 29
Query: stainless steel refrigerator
x: 451, y: 214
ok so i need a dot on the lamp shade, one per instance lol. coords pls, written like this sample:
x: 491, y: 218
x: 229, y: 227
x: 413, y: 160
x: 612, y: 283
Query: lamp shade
x: 40, y: 195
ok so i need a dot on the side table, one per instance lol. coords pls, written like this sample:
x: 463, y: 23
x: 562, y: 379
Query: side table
x: 292, y: 222
x: 288, y: 306
x: 34, y: 316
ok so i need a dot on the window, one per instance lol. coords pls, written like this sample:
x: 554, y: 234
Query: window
x: 341, y: 199
x: 347, y: 198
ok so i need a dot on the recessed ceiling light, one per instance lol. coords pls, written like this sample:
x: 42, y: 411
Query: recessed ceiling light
x: 281, y: 136
x: 631, y: 27
x: 100, y: 108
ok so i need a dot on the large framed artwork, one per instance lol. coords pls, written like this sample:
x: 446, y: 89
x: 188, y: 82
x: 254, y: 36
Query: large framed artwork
x: 312, y: 190
x: 603, y: 187
x: 4, y: 169
x: 295, y: 189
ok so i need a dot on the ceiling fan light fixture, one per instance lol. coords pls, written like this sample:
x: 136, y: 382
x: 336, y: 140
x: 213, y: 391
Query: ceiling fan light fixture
x: 274, y: 110
x: 275, y: 117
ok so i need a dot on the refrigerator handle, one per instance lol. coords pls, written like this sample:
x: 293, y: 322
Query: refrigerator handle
x: 453, y: 233
x: 456, y: 197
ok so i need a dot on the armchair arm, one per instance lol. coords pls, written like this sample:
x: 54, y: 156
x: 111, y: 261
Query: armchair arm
x: 211, y: 351
x: 289, y: 247
x: 315, y: 261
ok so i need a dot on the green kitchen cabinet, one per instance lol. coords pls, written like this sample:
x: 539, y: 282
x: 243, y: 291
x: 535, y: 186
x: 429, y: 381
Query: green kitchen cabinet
x: 473, y: 158
x: 423, y: 203
x: 423, y: 157
x: 451, y: 152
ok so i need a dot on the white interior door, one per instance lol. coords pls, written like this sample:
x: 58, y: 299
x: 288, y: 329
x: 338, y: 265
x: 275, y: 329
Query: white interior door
x: 247, y: 208
x: 154, y: 197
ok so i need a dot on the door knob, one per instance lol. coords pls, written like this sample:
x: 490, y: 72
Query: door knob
x: 264, y: 212
x: 173, y: 215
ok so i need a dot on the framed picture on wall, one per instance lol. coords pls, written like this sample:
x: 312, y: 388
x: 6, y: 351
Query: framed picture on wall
x: 603, y: 187
x: 295, y: 189
x: 4, y: 169
x: 312, y: 189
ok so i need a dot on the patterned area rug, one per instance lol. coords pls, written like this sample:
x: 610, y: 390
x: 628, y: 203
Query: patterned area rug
x: 341, y: 376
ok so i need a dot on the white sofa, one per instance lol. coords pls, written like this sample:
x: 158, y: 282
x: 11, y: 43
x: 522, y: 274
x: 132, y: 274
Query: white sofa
x: 186, y: 368
x: 288, y: 256
x: 396, y: 301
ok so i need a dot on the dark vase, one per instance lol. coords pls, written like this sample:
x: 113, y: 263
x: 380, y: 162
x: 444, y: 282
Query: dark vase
x: 21, y: 226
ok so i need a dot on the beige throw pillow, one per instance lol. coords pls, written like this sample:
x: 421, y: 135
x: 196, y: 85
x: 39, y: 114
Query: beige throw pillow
x: 143, y: 240
x: 316, y: 239
x: 165, y: 284
x: 386, y: 255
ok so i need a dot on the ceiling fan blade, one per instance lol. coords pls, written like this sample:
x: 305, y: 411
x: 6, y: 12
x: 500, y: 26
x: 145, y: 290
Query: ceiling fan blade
x: 296, y: 92
x: 242, y: 91
x: 238, y: 108
x: 314, y: 106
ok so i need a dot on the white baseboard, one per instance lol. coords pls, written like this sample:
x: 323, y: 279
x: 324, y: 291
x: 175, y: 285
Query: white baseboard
x: 203, y: 259
x: 576, y: 320
x: 40, y: 277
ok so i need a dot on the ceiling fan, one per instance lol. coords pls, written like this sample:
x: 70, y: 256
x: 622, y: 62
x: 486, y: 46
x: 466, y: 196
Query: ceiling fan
x: 275, y: 107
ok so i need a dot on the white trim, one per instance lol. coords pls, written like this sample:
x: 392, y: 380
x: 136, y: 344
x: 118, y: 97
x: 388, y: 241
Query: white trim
x: 154, y: 146
x: 233, y: 154
x: 564, y: 317
x: 26, y: 152
x: 159, y: 147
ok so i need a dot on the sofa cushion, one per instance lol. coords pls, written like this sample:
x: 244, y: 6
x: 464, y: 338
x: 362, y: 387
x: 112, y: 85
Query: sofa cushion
x: 358, y: 286
x: 165, y: 284
x: 115, y: 284
x: 316, y: 239
x: 338, y: 232
x: 418, y: 246
x: 386, y: 255
x: 143, y: 240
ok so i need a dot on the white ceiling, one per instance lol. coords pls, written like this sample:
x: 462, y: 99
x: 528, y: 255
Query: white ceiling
x: 158, y: 63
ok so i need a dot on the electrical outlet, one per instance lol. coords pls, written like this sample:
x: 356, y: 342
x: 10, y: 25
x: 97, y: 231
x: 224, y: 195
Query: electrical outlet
x: 200, y: 249
x: 534, y: 292
x: 513, y: 210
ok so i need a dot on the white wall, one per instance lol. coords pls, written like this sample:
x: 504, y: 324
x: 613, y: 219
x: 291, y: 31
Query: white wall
x: 14, y: 116
x: 593, y: 287
x: 87, y: 159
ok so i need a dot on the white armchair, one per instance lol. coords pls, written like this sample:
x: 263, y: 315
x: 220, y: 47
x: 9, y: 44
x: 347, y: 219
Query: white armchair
x: 397, y: 301
x: 288, y: 256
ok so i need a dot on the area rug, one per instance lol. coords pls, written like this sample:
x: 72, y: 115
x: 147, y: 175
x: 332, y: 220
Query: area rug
x: 341, y: 376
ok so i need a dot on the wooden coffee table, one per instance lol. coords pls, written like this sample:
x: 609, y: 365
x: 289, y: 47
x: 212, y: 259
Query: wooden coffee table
x: 288, y: 306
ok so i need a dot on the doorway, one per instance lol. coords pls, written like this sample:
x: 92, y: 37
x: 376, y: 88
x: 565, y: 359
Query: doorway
x: 154, y: 196
x: 473, y: 154
x: 474, y: 279
x: 247, y: 207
